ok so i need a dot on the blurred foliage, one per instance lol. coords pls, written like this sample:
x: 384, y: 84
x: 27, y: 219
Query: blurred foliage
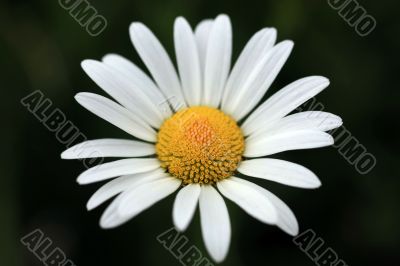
x: 357, y: 215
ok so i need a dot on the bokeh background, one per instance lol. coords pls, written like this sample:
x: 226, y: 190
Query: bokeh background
x: 41, y: 47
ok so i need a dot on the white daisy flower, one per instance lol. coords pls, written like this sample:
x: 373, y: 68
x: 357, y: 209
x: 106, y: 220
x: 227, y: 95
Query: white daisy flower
x: 193, y: 131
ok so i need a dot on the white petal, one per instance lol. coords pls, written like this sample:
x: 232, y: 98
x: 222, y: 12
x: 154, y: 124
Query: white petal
x: 109, y: 148
x: 284, y: 101
x: 286, y: 140
x: 313, y: 120
x: 286, y: 219
x: 185, y: 206
x: 215, y: 224
x: 122, y: 183
x: 121, y: 89
x: 116, y: 115
x: 260, y: 79
x: 310, y: 120
x: 144, y: 196
x: 218, y: 61
x: 188, y: 61
x: 140, y: 80
x: 202, y: 34
x: 249, y: 199
x: 111, y: 218
x: 258, y: 46
x: 280, y: 171
x: 117, y: 168
x: 158, y: 62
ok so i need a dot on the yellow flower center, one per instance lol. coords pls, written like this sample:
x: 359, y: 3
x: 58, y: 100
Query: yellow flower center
x: 200, y: 145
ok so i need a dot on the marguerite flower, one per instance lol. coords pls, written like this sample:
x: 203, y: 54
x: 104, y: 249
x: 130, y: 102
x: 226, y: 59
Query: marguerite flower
x: 193, y: 131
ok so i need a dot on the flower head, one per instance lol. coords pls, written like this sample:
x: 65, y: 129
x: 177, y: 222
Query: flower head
x: 197, y: 130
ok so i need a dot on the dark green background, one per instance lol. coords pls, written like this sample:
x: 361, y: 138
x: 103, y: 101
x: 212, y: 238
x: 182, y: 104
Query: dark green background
x: 41, y: 47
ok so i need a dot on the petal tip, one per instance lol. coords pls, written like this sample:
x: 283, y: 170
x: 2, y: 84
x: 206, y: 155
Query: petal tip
x: 317, y: 184
x: 65, y: 155
x: 222, y: 16
x: 79, y: 97
x: 293, y: 231
x: 109, y: 56
x: 323, y: 80
x: 88, y: 63
x: 135, y: 26
x: 218, y: 258
x: 289, y: 44
x: 104, y: 225
x: 180, y: 19
x: 179, y: 227
x: 81, y: 180
x: 91, y: 204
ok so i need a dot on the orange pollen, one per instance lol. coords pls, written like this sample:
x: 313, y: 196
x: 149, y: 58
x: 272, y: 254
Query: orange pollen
x: 200, y: 145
